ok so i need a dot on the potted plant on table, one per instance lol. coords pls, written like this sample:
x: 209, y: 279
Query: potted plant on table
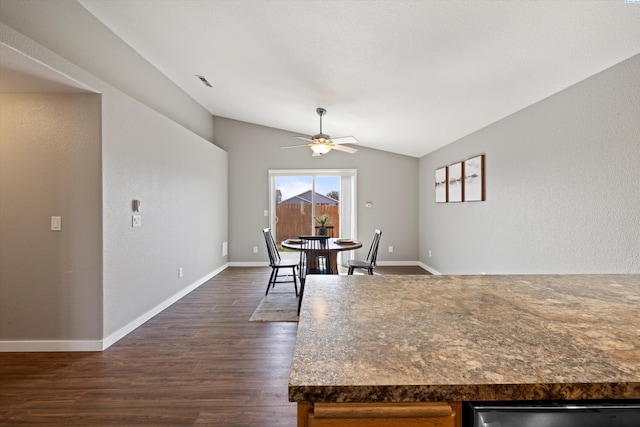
x: 323, y: 220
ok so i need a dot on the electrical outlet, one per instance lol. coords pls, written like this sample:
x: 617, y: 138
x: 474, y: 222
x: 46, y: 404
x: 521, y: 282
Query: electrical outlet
x: 255, y: 249
x: 136, y: 220
x: 429, y: 253
x: 180, y: 272
x: 390, y: 248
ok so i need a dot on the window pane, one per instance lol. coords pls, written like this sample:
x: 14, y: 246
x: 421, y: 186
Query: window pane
x: 327, y: 206
x: 293, y: 206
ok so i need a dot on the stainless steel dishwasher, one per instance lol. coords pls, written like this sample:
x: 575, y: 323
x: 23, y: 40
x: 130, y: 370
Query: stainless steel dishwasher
x: 552, y: 414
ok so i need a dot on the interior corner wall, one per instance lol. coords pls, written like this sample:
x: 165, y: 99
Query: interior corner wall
x: 50, y: 281
x: 562, y: 187
x: 180, y: 180
x: 389, y: 181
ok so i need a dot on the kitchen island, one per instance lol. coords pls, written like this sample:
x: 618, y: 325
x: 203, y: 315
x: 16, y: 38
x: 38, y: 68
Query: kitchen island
x: 406, y: 349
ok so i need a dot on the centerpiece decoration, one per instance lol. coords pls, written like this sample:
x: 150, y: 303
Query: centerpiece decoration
x: 323, y: 220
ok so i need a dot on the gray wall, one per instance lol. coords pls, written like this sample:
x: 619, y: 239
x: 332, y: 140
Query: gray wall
x: 50, y: 282
x: 67, y: 28
x: 562, y: 185
x: 388, y: 180
x: 181, y: 180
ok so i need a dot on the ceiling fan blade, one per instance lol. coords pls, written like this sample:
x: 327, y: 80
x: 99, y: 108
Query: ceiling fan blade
x: 345, y: 149
x: 304, y: 138
x: 322, y: 143
x: 345, y: 140
x: 294, y: 146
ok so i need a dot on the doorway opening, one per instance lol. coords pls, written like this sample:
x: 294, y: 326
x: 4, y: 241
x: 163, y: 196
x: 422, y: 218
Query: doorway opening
x: 300, y: 198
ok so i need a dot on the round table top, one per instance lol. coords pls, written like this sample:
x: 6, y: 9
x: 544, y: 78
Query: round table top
x: 334, y: 244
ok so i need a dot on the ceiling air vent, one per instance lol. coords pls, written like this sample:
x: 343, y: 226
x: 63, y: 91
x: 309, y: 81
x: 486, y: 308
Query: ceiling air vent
x: 203, y: 79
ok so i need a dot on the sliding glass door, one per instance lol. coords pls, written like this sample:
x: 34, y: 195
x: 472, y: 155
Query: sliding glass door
x: 299, y: 199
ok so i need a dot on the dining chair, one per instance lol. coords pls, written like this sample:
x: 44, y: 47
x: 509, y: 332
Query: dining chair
x: 314, y: 259
x: 276, y: 263
x: 370, y: 263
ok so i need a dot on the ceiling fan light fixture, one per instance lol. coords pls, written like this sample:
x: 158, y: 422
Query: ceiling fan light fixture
x: 322, y: 143
x: 320, y: 149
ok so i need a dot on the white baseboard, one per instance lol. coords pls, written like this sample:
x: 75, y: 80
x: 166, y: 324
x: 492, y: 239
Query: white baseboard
x: 100, y: 345
x: 380, y: 263
x: 249, y: 264
x: 407, y: 263
x: 430, y: 269
x: 397, y: 263
x: 122, y: 332
x: 48, y: 346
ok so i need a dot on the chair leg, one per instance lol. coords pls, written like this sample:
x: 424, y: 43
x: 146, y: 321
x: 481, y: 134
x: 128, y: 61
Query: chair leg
x: 300, y: 296
x: 295, y: 283
x: 272, y: 280
x: 274, y: 276
x: 370, y: 271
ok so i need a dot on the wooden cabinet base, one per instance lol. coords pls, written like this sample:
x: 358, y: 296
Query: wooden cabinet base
x: 424, y: 414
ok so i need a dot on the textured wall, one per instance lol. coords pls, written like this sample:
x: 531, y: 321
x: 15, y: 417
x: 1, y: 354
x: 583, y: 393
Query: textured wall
x: 388, y: 180
x: 50, y: 282
x: 181, y: 180
x: 562, y: 183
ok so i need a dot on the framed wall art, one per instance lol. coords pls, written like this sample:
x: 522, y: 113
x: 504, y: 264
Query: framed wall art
x: 455, y: 182
x: 474, y: 179
x: 441, y: 185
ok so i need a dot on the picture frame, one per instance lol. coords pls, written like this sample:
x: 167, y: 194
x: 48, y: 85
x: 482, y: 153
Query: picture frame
x: 473, y: 182
x: 441, y: 185
x: 455, y: 182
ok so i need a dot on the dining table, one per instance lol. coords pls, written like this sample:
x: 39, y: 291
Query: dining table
x: 335, y: 245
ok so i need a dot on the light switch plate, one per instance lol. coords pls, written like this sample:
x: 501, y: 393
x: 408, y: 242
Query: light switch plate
x: 56, y: 223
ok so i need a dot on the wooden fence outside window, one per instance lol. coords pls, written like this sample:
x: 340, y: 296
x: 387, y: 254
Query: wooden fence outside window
x: 295, y: 220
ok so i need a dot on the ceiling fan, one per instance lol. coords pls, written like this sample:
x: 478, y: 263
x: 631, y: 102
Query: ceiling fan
x: 322, y: 143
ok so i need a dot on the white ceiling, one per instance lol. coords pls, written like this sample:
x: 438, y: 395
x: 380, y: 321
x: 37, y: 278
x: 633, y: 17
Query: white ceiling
x: 401, y: 76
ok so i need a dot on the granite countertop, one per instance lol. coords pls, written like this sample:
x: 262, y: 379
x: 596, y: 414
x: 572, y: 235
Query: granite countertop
x: 459, y: 338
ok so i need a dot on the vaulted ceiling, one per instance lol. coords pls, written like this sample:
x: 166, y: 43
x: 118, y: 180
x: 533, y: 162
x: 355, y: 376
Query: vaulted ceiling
x: 402, y: 76
x: 19, y: 73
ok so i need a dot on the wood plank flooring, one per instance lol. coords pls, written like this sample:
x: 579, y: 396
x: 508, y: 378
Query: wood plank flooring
x: 198, y: 363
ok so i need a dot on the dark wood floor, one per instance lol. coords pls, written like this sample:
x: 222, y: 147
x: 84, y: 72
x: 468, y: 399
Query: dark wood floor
x: 199, y: 362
